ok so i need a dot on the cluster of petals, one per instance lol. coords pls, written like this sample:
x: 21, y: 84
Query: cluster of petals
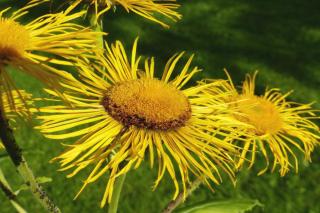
x: 277, y: 129
x: 37, y: 46
x: 114, y: 143
x: 149, y: 9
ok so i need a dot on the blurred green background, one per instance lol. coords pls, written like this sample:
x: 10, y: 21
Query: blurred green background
x: 281, y: 39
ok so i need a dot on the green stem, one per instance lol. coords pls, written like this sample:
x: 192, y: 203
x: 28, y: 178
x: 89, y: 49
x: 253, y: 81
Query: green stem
x: 5, y: 187
x: 15, y: 154
x: 181, y: 197
x: 113, y: 206
x: 97, y: 25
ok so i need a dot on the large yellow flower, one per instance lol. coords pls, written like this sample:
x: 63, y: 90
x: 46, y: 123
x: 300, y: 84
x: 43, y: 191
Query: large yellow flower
x: 276, y: 126
x: 34, y: 47
x: 148, y: 9
x: 124, y: 113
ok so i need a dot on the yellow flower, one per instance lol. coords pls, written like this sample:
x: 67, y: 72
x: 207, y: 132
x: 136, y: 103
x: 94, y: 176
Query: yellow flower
x: 34, y: 47
x: 124, y: 113
x: 20, y: 107
x: 276, y: 126
x: 145, y: 8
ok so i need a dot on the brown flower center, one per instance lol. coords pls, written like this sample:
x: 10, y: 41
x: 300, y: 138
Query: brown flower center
x: 147, y: 103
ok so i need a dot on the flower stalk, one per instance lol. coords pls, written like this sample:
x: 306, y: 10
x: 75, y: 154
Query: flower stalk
x: 97, y: 25
x: 15, y: 154
x: 182, y: 196
x: 12, y: 197
x: 113, y: 206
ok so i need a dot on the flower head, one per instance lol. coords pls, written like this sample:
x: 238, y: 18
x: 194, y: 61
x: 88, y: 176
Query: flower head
x: 276, y: 126
x: 145, y: 8
x: 124, y: 113
x: 34, y: 47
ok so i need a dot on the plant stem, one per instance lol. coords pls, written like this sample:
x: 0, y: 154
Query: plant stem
x: 15, y: 154
x: 5, y: 187
x: 113, y: 206
x: 97, y: 26
x: 181, y: 197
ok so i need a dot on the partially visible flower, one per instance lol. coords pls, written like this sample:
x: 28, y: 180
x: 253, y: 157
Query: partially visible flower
x: 124, y: 113
x: 276, y: 126
x: 148, y: 9
x: 22, y: 101
x: 34, y: 47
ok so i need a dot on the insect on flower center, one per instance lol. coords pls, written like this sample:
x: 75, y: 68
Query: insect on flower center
x: 147, y: 103
x: 14, y: 40
x: 260, y: 113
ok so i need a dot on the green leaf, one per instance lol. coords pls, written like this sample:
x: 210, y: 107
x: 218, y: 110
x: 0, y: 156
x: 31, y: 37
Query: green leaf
x: 43, y: 179
x: 23, y: 187
x: 39, y: 180
x: 225, y: 206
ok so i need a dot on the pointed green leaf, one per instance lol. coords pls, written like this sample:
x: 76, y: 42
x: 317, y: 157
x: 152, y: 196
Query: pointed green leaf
x: 226, y: 206
x: 39, y: 180
x: 22, y: 187
x: 43, y: 179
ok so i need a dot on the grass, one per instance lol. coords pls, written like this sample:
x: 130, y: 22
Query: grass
x: 281, y: 39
